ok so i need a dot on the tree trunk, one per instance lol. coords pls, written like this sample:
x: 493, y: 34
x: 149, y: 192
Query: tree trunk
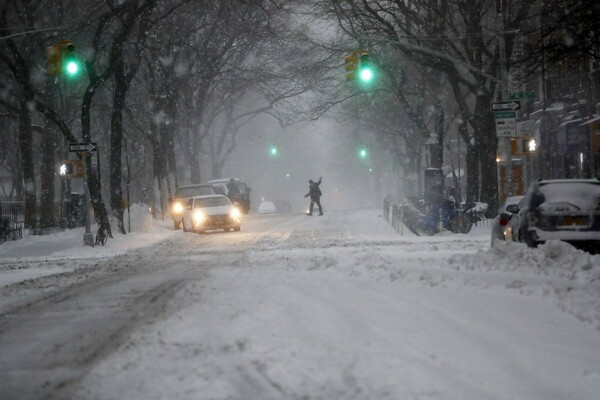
x: 116, y: 143
x: 489, y: 168
x: 25, y: 147
x: 47, y: 173
x: 472, y: 173
x: 94, y: 184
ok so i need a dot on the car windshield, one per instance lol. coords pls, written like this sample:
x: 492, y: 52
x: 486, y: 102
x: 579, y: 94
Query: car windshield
x: 241, y: 188
x: 211, y: 202
x: 568, y: 196
x: 190, y: 191
x: 512, y: 200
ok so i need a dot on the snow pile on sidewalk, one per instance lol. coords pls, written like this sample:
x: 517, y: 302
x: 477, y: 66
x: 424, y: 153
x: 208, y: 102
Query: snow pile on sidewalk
x: 37, y: 256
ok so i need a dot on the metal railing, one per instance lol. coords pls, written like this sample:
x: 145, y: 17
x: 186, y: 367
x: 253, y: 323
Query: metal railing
x: 67, y: 215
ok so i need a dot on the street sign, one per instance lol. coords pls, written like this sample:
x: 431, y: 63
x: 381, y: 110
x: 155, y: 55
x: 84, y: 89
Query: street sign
x: 521, y: 95
x: 87, y: 147
x: 506, y: 105
x: 505, y: 114
x: 506, y: 127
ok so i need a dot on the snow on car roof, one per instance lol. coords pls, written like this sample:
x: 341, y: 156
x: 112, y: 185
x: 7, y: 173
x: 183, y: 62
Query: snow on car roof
x: 194, y: 185
x: 224, y: 180
x: 593, y: 180
x: 208, y: 196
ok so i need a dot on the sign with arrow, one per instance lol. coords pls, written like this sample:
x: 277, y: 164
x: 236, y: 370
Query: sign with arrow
x: 506, y: 105
x: 87, y: 147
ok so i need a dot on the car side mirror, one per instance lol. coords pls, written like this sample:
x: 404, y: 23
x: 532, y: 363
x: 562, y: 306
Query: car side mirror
x: 513, y: 208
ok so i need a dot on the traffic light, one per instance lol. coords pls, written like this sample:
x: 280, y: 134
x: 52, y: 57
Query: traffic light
x: 71, y: 169
x: 53, y: 59
x: 351, y: 62
x: 366, y: 71
x: 274, y: 150
x: 71, y: 65
x: 62, y: 60
x: 529, y: 145
x: 522, y: 146
x: 363, y: 153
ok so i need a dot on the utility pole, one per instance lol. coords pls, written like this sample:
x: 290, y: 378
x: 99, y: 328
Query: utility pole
x: 504, y: 141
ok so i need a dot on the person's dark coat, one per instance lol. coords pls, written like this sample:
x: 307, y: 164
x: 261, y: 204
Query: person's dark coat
x: 313, y: 190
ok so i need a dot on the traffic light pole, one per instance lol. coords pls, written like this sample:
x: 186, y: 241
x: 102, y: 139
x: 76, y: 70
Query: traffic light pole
x: 504, y: 141
x: 88, y: 238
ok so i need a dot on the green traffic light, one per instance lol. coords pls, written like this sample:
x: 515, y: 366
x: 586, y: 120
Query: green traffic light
x: 274, y: 151
x: 72, y: 68
x: 366, y: 75
x: 366, y: 71
x: 362, y: 153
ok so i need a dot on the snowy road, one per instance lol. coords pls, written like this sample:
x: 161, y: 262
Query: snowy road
x: 335, y: 307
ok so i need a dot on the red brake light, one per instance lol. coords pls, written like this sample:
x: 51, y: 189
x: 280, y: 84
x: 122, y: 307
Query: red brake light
x: 503, y: 221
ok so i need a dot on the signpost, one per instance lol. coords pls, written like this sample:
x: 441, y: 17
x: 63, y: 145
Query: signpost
x: 521, y: 95
x: 86, y: 148
x: 506, y: 105
x: 506, y: 124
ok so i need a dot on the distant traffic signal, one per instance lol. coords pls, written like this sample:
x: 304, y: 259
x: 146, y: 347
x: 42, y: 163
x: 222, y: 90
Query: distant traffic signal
x: 273, y: 150
x: 359, y: 67
x: 366, y: 72
x: 351, y: 62
x: 71, y: 64
x: 71, y: 169
x: 363, y: 153
x: 62, y: 60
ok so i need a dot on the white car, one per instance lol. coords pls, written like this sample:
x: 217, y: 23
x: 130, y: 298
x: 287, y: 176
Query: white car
x: 500, y: 227
x: 203, y: 213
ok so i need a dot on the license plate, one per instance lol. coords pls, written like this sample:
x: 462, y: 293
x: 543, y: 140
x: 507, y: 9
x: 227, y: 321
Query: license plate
x: 573, y: 221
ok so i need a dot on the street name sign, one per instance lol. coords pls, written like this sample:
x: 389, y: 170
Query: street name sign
x: 506, y: 105
x: 521, y: 95
x: 87, y: 147
x: 505, y: 114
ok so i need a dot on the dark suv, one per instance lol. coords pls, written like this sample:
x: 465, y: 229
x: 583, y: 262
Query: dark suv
x: 563, y: 209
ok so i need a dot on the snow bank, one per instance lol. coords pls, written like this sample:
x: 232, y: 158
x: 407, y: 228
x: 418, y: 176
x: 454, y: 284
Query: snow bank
x: 569, y: 275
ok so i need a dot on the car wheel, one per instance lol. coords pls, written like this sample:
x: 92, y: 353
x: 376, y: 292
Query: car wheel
x: 183, y: 226
x: 237, y: 228
x: 176, y: 225
x: 530, y: 242
x: 200, y: 232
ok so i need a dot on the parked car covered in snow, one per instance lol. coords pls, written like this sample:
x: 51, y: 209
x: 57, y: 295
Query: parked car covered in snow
x: 203, y: 213
x: 500, y: 223
x: 563, y: 209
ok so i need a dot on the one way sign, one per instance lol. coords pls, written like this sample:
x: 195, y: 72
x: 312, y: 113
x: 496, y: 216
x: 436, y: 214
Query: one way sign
x: 506, y: 105
x: 88, y: 147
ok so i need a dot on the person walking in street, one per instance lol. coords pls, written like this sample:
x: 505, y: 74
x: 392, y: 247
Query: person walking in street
x: 315, y: 196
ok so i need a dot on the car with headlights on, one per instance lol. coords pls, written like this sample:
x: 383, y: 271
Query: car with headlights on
x: 563, y: 209
x: 501, y: 222
x: 183, y: 195
x: 203, y: 213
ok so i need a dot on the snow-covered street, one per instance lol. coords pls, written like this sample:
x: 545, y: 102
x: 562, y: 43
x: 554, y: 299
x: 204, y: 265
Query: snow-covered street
x: 291, y: 307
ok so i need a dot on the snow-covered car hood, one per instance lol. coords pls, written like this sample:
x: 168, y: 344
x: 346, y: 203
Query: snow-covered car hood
x: 216, y: 210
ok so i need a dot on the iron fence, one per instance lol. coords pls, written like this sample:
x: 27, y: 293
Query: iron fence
x: 68, y: 214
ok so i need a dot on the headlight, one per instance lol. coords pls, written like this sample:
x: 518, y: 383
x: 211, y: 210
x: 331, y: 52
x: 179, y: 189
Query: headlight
x: 177, y: 208
x: 235, y: 213
x: 198, y: 217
